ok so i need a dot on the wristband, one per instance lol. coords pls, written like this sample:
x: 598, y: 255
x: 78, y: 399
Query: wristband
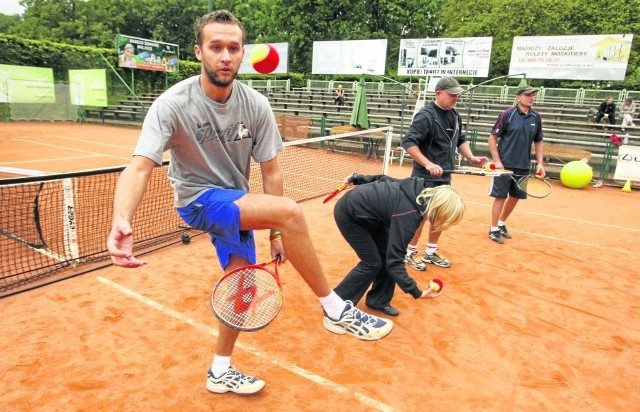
x: 274, y: 238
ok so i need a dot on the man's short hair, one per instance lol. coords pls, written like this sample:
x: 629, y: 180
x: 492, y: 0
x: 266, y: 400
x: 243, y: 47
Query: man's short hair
x: 218, y: 16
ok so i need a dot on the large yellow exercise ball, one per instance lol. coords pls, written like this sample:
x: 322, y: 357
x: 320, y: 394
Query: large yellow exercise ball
x: 576, y: 174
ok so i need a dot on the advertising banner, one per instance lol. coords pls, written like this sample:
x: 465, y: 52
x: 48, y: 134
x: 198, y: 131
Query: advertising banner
x: 349, y: 57
x: 628, y: 164
x: 144, y: 54
x: 464, y: 57
x: 282, y: 52
x: 594, y: 57
x: 88, y: 87
x: 26, y: 84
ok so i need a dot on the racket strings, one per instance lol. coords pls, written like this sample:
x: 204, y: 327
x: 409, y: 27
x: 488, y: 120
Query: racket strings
x: 534, y: 186
x: 248, y: 298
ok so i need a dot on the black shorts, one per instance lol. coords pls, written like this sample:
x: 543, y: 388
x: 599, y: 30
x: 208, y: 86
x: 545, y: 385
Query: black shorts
x: 434, y: 183
x: 503, y: 186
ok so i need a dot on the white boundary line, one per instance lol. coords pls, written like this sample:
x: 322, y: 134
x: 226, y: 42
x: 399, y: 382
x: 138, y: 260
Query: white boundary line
x: 72, y: 149
x: 369, y: 402
x: 591, y: 222
x: 93, y: 143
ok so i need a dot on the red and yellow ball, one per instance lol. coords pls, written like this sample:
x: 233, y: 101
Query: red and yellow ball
x: 264, y: 58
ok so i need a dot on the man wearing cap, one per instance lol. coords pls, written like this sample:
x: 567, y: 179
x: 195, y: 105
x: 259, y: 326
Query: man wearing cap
x: 516, y: 129
x: 432, y: 139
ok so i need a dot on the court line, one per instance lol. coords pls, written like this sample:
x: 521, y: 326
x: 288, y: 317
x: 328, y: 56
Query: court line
x: 369, y: 402
x: 94, y: 143
x: 51, y: 159
x: 564, y: 218
x: 71, y: 148
x: 559, y: 239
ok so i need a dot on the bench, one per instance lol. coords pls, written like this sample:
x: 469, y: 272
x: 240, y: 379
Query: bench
x: 564, y: 153
x: 370, y: 141
x: 293, y: 127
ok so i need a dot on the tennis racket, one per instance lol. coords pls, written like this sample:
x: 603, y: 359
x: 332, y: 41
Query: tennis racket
x: 249, y: 297
x: 340, y: 188
x: 533, y: 185
x: 480, y: 171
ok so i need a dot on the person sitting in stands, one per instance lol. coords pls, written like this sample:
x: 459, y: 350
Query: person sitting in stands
x: 628, y: 110
x: 607, y: 110
x: 339, y: 98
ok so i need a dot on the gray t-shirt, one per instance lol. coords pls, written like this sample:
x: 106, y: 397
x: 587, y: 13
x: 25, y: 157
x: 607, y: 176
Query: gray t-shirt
x: 211, y: 144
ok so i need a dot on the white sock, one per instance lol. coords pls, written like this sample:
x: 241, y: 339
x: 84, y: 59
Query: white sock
x: 411, y: 249
x: 220, y: 365
x: 500, y: 223
x: 333, y: 305
x: 432, y: 248
x: 494, y: 228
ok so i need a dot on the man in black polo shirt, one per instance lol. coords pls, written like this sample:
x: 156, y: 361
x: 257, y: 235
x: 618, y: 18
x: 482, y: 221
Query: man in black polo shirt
x: 510, y: 143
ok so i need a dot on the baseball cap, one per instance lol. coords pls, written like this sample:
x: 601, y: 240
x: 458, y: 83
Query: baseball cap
x: 450, y: 85
x: 526, y: 90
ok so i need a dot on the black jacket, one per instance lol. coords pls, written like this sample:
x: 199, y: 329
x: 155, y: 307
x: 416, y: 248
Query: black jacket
x: 428, y: 132
x: 607, y: 108
x: 382, y: 200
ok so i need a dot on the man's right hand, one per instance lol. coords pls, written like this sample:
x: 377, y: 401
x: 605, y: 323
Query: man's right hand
x: 120, y: 246
x: 434, y: 169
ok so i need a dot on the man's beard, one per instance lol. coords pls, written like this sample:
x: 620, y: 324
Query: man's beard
x: 216, y: 80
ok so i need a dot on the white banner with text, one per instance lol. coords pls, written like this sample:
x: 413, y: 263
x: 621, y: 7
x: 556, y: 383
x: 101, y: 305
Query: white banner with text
x: 593, y: 57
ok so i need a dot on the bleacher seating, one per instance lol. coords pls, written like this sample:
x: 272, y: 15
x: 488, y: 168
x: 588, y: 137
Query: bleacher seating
x: 565, y: 124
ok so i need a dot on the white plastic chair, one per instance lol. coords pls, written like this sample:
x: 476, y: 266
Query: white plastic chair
x: 401, y: 153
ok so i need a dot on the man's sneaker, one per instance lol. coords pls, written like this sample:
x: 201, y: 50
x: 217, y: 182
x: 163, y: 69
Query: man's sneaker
x: 436, y: 259
x: 495, y: 236
x: 415, y: 261
x: 358, y: 323
x: 504, y: 232
x: 234, y: 381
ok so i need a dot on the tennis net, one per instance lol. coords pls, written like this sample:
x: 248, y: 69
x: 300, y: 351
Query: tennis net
x: 58, y: 224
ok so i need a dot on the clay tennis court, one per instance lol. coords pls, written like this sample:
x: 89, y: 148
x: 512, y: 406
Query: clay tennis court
x: 548, y: 320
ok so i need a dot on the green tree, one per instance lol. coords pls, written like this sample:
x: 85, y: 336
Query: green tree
x: 505, y: 19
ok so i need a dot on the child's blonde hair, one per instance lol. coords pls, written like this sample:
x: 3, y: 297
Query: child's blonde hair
x: 445, y: 207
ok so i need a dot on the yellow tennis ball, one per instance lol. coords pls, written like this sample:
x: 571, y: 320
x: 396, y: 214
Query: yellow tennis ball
x: 576, y: 174
x: 264, y: 58
x: 434, y: 286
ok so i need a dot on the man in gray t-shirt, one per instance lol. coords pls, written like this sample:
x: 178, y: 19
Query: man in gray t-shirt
x: 213, y: 125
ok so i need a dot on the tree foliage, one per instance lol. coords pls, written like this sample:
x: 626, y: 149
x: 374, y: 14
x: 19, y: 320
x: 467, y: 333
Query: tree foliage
x: 302, y: 22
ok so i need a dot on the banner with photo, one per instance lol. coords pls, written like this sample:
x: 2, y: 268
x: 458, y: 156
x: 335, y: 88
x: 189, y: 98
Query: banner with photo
x: 282, y: 50
x: 26, y: 84
x: 464, y: 57
x: 349, y: 57
x: 628, y: 163
x: 144, y: 54
x: 591, y: 57
x: 88, y: 87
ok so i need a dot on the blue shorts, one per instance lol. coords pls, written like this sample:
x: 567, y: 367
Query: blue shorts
x: 215, y: 212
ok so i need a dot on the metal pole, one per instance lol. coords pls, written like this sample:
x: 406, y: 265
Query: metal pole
x: 211, y: 6
x: 471, y: 89
x: 404, y: 91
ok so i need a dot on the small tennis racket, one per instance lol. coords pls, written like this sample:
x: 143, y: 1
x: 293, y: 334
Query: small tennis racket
x: 340, y: 188
x: 249, y: 297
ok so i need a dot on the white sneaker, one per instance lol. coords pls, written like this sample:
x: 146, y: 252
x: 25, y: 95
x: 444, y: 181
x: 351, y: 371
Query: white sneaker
x: 358, y: 323
x: 234, y: 381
